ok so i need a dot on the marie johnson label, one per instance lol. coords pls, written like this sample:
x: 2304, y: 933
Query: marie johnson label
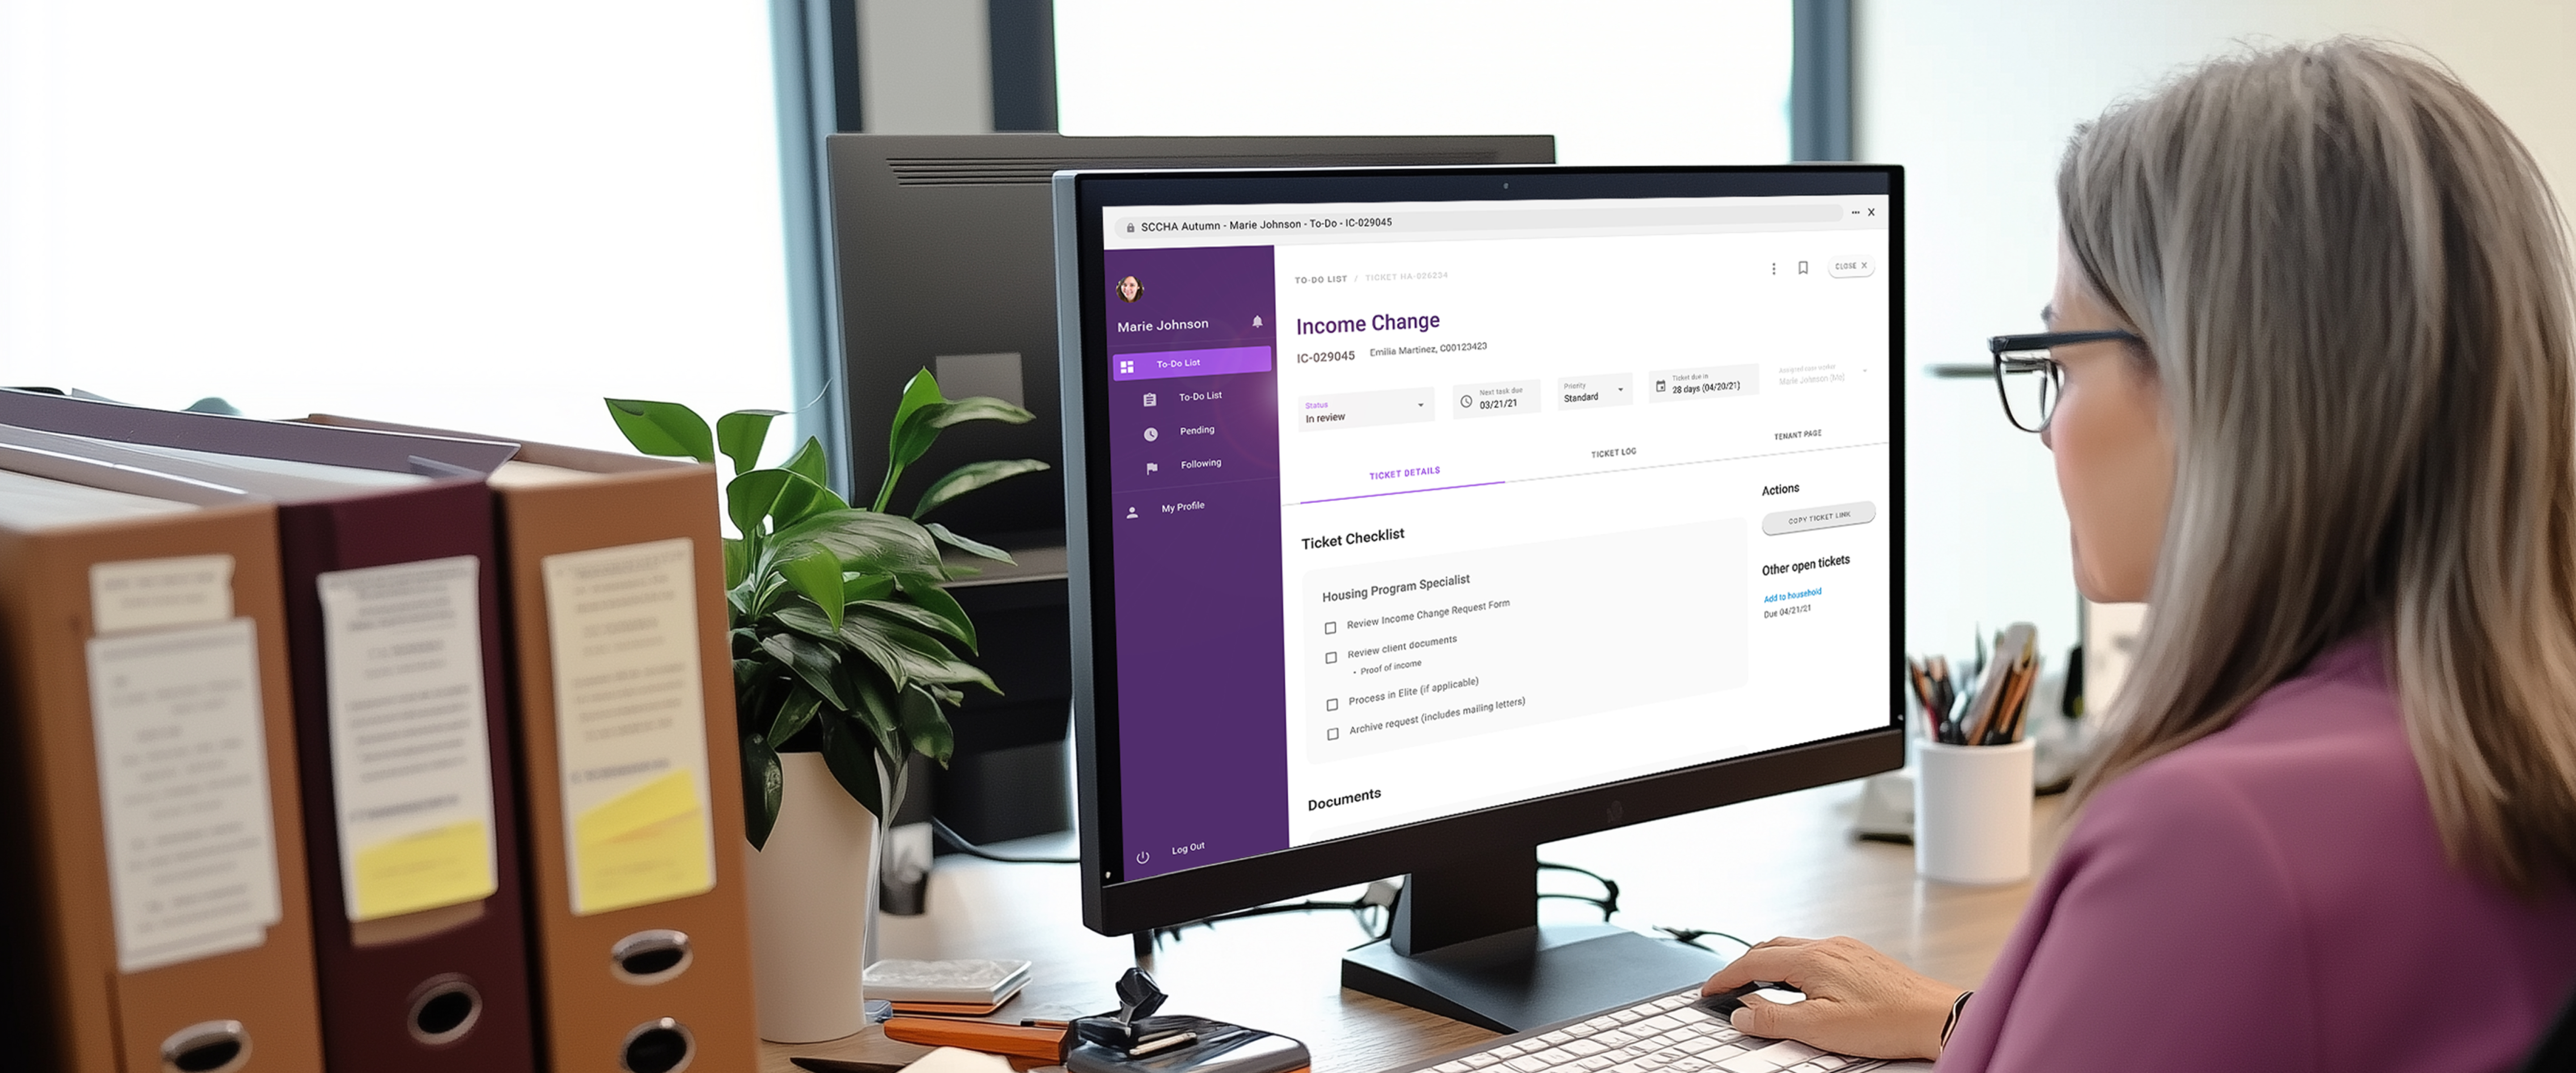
x: 631, y: 724
x: 411, y: 759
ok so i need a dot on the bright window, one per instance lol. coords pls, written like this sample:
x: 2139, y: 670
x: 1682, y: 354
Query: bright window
x: 1617, y: 81
x: 478, y: 213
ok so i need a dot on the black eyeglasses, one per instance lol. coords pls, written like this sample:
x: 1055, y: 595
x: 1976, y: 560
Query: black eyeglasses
x: 2029, y: 379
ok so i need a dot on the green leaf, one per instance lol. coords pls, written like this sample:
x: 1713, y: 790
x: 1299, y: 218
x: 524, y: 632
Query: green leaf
x: 812, y: 662
x: 970, y: 477
x: 971, y: 547
x: 792, y: 716
x: 737, y: 561
x: 876, y: 715
x: 919, y: 616
x: 808, y: 462
x: 803, y: 498
x: 764, y: 785
x: 857, y: 586
x: 816, y: 573
x: 807, y: 620
x: 741, y: 433
x: 866, y: 541
x: 981, y: 408
x: 749, y: 496
x: 747, y: 671
x: 923, y: 390
x: 925, y: 591
x: 907, y: 655
x: 853, y: 762
x: 667, y: 429
x: 925, y: 729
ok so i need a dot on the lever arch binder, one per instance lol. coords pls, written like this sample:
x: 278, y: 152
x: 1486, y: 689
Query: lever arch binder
x: 158, y: 918
x: 616, y: 620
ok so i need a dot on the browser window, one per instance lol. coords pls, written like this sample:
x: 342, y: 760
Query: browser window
x: 1423, y: 508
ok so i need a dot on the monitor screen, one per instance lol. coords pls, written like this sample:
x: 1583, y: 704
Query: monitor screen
x: 1413, y: 495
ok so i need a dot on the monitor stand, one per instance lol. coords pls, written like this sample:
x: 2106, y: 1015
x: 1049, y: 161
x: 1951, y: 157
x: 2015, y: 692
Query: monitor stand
x: 1468, y: 945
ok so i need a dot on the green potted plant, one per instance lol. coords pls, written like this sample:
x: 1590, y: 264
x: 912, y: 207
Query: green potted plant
x: 846, y: 655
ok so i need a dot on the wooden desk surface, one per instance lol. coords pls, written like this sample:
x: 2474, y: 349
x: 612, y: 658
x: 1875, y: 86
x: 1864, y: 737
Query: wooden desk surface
x: 1786, y: 865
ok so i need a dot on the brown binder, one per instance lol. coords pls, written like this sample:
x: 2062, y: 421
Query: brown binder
x: 148, y: 702
x: 643, y: 960
x: 392, y: 626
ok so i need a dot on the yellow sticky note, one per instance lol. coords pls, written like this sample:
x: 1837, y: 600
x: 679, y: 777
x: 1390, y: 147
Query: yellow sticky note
x: 649, y: 844
x: 447, y: 865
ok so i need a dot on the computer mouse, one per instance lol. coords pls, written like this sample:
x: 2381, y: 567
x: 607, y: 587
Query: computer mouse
x: 1725, y: 1003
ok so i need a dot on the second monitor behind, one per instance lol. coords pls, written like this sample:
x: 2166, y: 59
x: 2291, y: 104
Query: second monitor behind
x: 946, y: 257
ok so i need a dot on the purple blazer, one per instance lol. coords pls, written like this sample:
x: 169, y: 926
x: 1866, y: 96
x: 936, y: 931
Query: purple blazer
x: 2273, y: 897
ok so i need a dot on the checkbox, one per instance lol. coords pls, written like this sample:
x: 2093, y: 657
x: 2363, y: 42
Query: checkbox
x: 1333, y: 705
x: 1332, y: 657
x: 1330, y: 627
x: 1332, y: 733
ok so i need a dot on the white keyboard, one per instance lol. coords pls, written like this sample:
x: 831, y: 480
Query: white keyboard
x: 1671, y: 1034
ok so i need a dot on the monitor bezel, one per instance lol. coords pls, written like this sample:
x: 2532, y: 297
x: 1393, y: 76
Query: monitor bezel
x: 1113, y: 905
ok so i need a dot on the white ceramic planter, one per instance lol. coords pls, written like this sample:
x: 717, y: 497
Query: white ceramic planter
x: 812, y: 897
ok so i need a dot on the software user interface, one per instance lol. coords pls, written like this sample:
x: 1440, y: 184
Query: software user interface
x: 1418, y: 508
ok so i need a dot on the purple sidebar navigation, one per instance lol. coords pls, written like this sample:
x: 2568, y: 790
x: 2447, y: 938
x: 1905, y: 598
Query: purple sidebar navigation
x: 1194, y: 502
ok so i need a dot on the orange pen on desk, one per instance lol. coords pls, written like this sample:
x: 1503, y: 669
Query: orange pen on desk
x: 1044, y: 1042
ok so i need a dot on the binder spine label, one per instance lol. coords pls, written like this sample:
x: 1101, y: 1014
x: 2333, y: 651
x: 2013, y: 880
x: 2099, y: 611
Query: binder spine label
x: 183, y: 785
x: 144, y: 594
x: 631, y: 723
x: 411, y: 761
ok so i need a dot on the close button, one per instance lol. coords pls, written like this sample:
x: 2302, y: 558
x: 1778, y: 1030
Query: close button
x: 1853, y: 267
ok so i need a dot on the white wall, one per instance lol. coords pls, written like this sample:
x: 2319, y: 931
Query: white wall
x: 1617, y: 81
x: 486, y: 213
x: 1976, y: 98
x: 925, y: 67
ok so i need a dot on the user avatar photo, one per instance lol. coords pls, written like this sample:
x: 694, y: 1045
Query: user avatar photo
x: 1130, y: 290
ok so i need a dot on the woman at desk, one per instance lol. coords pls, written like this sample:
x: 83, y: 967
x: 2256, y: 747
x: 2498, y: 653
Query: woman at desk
x: 2317, y: 407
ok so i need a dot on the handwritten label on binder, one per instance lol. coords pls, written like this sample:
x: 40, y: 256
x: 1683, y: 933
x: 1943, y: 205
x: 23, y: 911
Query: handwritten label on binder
x: 143, y: 594
x: 410, y: 757
x: 631, y: 719
x: 183, y: 785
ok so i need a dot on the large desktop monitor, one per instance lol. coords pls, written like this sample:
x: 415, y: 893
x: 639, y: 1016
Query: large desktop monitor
x: 1423, y: 516
x: 944, y: 246
x: 945, y: 249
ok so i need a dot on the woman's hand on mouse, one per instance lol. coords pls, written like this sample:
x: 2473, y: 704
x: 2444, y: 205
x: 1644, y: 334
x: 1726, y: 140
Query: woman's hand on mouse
x: 1859, y: 1001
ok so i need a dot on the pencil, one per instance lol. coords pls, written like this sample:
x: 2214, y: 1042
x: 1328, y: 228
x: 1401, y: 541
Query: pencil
x: 2008, y: 720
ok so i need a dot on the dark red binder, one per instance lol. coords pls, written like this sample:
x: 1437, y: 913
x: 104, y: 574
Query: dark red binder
x: 454, y: 995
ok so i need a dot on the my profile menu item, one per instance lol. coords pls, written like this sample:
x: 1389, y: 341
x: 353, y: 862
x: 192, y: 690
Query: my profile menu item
x: 1409, y: 500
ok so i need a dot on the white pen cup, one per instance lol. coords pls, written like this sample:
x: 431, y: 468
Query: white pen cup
x: 1972, y: 812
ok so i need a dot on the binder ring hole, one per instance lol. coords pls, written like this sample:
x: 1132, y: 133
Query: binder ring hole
x: 444, y: 1009
x: 206, y: 1047
x: 658, y: 1046
x: 650, y: 957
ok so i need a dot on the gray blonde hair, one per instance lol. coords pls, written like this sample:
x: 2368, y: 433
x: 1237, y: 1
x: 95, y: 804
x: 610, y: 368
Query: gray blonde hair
x: 2353, y: 285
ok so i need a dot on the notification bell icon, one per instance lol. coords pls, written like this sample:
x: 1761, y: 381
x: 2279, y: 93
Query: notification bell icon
x: 1256, y: 322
